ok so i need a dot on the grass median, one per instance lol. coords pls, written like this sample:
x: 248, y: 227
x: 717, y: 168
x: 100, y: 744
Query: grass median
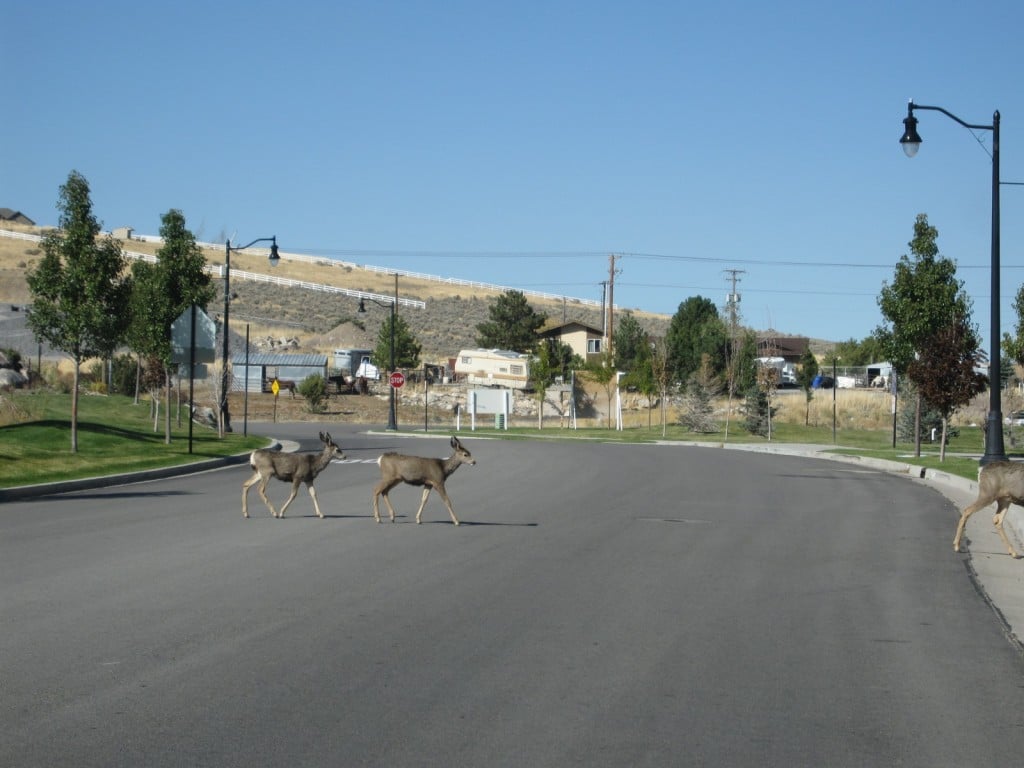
x: 115, y: 435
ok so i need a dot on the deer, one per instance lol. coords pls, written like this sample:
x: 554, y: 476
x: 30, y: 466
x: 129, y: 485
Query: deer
x: 294, y: 468
x: 1003, y: 483
x: 396, y: 468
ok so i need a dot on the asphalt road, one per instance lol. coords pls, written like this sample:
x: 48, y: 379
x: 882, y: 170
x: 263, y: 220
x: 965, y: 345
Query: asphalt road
x: 601, y: 605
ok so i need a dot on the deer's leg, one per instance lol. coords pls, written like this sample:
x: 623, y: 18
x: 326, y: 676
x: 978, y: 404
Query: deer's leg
x: 448, y: 503
x: 423, y: 503
x: 312, y: 495
x: 245, y: 493
x: 382, y: 488
x: 262, y: 488
x: 294, y: 493
x: 1004, y: 504
x: 980, y: 503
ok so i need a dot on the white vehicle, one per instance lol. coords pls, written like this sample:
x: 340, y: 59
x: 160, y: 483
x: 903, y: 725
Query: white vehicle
x: 494, y: 368
x: 367, y: 369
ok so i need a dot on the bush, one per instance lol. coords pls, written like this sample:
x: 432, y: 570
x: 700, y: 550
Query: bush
x: 314, y: 389
x: 122, y: 376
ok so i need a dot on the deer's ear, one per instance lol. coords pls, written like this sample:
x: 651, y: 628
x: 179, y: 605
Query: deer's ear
x: 454, y: 442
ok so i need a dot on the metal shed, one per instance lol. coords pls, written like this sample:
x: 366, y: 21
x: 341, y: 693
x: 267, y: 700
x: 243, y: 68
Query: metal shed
x: 261, y: 368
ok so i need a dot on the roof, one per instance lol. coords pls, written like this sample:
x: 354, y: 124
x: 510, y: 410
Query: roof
x: 549, y: 328
x: 6, y: 214
x: 784, y: 346
x: 271, y: 358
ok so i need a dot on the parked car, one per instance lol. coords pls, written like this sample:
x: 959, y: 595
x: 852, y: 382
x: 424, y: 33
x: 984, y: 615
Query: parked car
x: 1015, y: 419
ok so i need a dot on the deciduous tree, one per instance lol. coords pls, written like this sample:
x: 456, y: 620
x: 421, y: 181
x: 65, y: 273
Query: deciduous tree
x: 80, y: 290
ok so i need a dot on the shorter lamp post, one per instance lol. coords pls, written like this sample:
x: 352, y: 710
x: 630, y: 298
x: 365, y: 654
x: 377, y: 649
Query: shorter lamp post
x: 274, y: 258
x: 392, y: 412
x: 911, y: 142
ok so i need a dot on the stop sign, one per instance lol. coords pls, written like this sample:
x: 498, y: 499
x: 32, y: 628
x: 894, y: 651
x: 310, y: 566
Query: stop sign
x: 397, y: 379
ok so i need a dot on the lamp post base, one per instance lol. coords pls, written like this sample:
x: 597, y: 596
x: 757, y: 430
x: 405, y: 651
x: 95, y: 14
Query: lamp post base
x: 994, y: 447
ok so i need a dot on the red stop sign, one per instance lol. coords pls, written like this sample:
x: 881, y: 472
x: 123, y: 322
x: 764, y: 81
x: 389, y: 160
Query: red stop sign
x: 397, y: 379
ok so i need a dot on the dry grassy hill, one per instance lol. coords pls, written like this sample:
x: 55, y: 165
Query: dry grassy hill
x: 313, y: 321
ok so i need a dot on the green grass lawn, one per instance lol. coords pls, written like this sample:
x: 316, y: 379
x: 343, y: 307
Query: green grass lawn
x: 962, y: 453
x: 114, y: 435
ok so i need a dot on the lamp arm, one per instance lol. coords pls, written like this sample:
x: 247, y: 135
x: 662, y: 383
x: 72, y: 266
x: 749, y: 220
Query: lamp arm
x: 912, y: 106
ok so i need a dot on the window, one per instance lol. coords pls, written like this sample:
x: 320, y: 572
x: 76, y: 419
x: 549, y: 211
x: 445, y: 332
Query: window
x: 593, y: 346
x: 467, y: 359
x: 517, y: 370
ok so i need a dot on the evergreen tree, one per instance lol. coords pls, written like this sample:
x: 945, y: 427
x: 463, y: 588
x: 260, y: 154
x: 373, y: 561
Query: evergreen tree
x: 513, y: 324
x: 407, y: 348
x: 80, y: 294
x: 694, y: 331
x: 631, y: 343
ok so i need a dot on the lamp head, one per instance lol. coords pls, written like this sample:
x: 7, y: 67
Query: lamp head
x: 910, y: 141
x: 274, y: 256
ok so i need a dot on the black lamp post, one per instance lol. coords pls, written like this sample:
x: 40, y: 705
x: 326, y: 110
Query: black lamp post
x: 274, y: 258
x: 392, y: 413
x: 911, y: 141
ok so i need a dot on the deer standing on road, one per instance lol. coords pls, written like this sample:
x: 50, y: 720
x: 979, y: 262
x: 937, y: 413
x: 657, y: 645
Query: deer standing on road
x: 416, y: 470
x: 1003, y: 483
x: 294, y: 468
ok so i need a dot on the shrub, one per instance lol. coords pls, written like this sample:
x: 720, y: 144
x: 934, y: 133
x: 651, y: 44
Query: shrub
x: 314, y: 389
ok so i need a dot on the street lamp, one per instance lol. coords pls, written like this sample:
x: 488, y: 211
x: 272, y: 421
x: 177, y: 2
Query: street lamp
x: 911, y: 142
x: 274, y: 258
x: 392, y: 414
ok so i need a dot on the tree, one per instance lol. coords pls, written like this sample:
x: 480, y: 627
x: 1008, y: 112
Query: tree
x: 513, y: 324
x: 805, y: 380
x: 946, y: 371
x: 631, y: 343
x: 407, y: 348
x: 694, y: 331
x: 542, y: 368
x: 79, y: 289
x: 1013, y: 346
x: 923, y: 296
x: 698, y: 400
x: 163, y: 292
x: 602, y: 371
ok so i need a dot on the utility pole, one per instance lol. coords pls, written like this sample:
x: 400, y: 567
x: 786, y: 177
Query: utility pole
x: 610, y: 331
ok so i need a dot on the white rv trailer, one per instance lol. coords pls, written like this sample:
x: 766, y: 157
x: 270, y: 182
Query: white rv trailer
x: 494, y: 368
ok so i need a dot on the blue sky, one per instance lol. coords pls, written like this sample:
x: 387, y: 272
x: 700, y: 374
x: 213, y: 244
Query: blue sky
x: 522, y: 143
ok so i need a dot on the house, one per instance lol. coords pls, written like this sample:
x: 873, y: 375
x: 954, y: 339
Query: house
x: 15, y: 217
x: 585, y: 340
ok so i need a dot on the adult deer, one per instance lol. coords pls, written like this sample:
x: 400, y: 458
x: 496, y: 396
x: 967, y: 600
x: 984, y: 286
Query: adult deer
x: 1003, y: 483
x: 294, y: 468
x: 416, y: 470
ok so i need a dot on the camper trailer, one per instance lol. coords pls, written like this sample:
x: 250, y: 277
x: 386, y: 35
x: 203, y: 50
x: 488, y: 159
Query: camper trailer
x: 494, y: 368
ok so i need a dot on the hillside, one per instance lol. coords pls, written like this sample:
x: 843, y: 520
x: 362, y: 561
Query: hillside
x: 307, y: 320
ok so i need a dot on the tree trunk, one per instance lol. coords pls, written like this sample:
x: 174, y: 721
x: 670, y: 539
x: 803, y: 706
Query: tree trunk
x: 942, y: 445
x: 74, y: 409
x: 167, y: 406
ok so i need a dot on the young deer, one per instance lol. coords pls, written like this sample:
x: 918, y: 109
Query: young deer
x: 415, y: 470
x: 294, y: 468
x: 1003, y: 483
